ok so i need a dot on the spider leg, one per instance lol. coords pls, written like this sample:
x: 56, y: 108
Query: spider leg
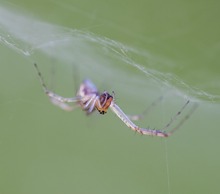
x: 147, y: 131
x: 89, y: 105
x: 91, y: 99
x: 55, y: 98
x: 176, y: 115
x: 187, y: 116
x: 146, y: 111
x: 63, y: 105
x: 91, y: 108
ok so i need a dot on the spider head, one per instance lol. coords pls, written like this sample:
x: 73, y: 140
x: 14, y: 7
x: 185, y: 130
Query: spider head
x: 104, y: 102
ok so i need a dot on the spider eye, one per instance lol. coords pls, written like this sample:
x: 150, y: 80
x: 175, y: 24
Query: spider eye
x: 102, y: 112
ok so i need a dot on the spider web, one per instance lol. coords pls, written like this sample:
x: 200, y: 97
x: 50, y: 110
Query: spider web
x: 90, y: 52
x: 99, y: 58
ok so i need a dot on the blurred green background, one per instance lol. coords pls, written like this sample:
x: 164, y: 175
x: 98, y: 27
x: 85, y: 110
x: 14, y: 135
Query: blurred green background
x: 140, y: 50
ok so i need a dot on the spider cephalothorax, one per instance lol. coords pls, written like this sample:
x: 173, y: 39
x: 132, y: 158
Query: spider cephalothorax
x: 103, y: 102
x: 90, y: 99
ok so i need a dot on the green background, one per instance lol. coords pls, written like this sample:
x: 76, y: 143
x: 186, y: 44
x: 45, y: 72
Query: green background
x: 140, y: 50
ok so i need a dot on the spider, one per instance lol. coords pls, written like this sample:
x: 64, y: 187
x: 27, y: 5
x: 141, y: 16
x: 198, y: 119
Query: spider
x: 89, y: 99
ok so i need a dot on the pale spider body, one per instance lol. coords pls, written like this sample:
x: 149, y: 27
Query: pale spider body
x: 89, y: 99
